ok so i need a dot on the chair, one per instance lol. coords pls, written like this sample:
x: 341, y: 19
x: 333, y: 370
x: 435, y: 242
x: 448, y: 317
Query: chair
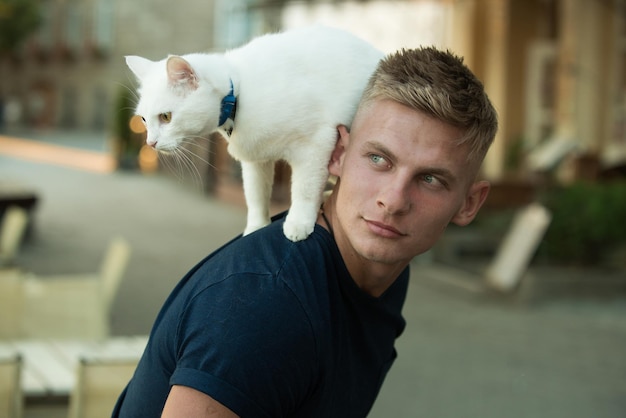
x: 12, y: 231
x: 74, y: 305
x: 10, y: 303
x: 99, y: 382
x: 11, y: 401
x: 505, y: 272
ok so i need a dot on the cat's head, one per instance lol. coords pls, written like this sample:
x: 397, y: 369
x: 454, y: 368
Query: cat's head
x: 176, y: 101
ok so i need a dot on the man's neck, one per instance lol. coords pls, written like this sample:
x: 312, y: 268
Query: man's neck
x: 372, y: 277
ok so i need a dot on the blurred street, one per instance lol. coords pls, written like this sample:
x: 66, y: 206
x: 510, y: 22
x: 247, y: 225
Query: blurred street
x: 465, y: 352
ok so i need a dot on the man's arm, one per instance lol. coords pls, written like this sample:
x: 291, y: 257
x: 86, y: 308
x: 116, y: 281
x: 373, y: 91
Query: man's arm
x: 186, y: 402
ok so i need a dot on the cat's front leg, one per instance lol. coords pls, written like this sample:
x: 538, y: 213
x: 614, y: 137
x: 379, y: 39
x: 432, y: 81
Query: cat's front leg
x: 257, y: 187
x: 307, y: 185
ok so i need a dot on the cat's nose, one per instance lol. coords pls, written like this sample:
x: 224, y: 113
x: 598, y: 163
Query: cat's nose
x: 151, y: 143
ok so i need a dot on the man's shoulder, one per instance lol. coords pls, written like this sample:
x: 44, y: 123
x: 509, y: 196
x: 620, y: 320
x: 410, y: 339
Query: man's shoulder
x: 264, y: 273
x: 268, y: 251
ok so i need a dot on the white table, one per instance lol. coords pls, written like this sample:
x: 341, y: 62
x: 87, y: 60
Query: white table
x: 49, y: 366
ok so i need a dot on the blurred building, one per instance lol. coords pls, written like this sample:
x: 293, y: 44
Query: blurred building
x: 555, y: 69
x: 67, y: 74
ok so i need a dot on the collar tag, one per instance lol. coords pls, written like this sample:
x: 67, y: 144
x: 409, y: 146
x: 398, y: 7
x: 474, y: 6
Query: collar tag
x: 229, y: 106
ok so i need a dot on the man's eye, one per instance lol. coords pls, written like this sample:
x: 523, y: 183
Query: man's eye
x: 377, y: 159
x: 165, y: 117
x: 432, y: 180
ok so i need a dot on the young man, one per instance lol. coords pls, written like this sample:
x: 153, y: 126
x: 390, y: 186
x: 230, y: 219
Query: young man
x: 265, y: 327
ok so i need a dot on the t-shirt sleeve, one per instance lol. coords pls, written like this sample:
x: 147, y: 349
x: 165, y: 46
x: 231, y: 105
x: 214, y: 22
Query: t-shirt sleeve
x: 248, y: 343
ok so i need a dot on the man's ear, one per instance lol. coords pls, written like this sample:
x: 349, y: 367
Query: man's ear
x: 476, y: 196
x: 336, y: 158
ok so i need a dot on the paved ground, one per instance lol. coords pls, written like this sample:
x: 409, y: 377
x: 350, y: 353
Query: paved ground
x: 465, y: 353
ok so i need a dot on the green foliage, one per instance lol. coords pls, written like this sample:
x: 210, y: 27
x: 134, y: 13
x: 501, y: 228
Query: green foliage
x: 123, y: 112
x: 18, y: 19
x: 514, y: 155
x: 587, y: 222
x: 127, y: 143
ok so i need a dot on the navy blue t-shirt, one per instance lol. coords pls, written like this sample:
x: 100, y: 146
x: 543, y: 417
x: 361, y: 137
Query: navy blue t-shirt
x: 271, y: 328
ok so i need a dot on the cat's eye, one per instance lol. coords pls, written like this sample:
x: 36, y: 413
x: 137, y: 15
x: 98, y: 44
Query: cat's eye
x: 165, y: 117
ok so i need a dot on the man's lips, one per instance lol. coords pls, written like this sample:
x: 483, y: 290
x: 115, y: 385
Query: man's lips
x: 383, y: 229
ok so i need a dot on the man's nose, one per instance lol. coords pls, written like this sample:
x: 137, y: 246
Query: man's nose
x: 395, y: 198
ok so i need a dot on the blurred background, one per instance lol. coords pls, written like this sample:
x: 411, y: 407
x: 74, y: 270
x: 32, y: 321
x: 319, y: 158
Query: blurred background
x: 518, y: 316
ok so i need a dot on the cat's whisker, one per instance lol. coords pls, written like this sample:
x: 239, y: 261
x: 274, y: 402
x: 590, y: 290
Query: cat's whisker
x: 191, y: 156
x: 195, y: 148
x: 196, y: 155
x: 176, y: 162
x: 172, y: 161
x: 167, y: 161
x: 199, y: 141
x: 186, y: 160
x: 131, y: 90
x: 191, y: 143
x: 183, y: 164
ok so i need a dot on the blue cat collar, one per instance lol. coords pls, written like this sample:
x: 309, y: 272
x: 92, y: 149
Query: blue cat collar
x: 229, y: 106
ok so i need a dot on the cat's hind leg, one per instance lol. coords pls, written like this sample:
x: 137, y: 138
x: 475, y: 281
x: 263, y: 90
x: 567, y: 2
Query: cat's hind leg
x: 258, y: 178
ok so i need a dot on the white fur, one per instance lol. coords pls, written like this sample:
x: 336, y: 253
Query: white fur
x: 293, y: 89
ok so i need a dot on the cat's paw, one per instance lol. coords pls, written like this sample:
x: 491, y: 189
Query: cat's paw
x: 297, y: 231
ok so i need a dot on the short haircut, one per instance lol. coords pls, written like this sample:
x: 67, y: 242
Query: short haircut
x: 441, y: 85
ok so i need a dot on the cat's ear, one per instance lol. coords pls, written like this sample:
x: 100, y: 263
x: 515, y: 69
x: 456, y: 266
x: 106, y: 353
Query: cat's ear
x: 179, y: 72
x: 138, y: 65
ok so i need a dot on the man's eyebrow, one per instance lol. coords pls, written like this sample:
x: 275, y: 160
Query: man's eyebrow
x: 380, y: 147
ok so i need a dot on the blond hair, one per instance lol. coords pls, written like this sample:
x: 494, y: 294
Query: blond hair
x: 439, y: 84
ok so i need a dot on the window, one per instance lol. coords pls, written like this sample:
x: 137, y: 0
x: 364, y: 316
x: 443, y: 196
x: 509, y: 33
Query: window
x: 103, y: 25
x: 232, y: 23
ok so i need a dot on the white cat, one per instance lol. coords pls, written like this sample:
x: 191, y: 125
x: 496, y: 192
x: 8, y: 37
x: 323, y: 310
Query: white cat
x: 281, y: 96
